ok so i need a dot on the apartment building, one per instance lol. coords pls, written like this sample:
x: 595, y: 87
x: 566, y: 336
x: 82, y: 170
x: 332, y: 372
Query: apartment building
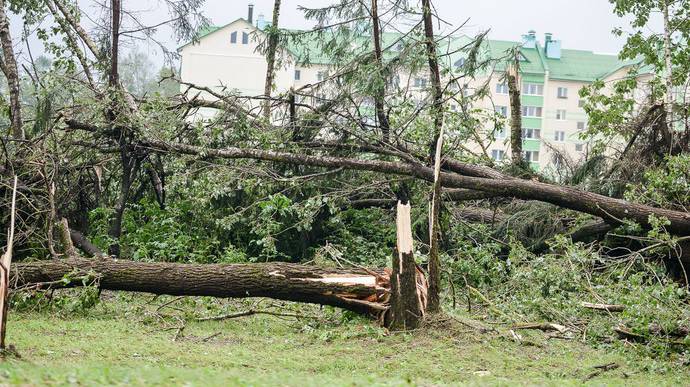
x: 227, y: 58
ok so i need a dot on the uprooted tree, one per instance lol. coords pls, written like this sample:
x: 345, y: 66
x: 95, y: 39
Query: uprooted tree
x: 272, y: 177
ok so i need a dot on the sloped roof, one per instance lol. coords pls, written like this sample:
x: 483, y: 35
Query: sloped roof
x: 576, y: 65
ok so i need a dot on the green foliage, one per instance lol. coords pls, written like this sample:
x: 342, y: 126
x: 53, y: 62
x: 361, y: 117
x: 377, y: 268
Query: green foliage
x: 551, y: 288
x: 667, y: 186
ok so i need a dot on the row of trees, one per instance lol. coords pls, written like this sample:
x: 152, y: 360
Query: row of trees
x: 93, y: 157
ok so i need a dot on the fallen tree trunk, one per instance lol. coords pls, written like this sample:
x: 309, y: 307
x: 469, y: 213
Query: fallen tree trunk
x: 360, y: 290
x: 610, y: 209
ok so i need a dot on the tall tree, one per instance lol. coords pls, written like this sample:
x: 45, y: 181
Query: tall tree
x: 272, y: 48
x: 436, y: 147
x: 9, y: 67
x: 511, y: 77
x: 380, y: 86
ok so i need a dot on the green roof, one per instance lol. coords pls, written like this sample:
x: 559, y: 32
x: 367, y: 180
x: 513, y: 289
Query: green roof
x: 575, y: 65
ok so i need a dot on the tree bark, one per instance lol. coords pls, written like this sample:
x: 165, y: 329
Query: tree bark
x: 515, y: 114
x: 9, y: 67
x: 668, y: 76
x: 407, y: 294
x: 610, y: 209
x: 271, y: 49
x: 359, y: 290
x: 435, y: 154
x: 380, y: 92
x: 113, y: 77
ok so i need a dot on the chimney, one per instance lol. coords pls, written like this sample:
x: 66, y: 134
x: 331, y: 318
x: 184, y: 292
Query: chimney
x: 552, y: 48
x: 250, y: 14
x: 261, y: 21
x: 529, y: 40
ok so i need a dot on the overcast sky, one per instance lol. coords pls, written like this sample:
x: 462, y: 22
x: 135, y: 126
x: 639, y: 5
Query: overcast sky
x: 580, y: 24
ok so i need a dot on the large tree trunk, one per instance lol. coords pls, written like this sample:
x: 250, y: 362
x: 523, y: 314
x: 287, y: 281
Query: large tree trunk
x: 436, y: 147
x: 359, y: 290
x: 380, y: 92
x: 9, y: 67
x: 271, y: 49
x: 408, y: 287
x: 515, y: 113
x: 612, y: 210
x: 668, y: 76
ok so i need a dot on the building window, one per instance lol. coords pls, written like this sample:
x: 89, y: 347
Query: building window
x: 501, y: 88
x: 559, y: 136
x: 560, y: 114
x: 531, y: 156
x: 298, y: 75
x: 502, y: 110
x: 233, y: 37
x: 245, y: 38
x: 532, y: 89
x: 562, y: 92
x: 531, y: 111
x: 498, y: 155
x: 581, y: 103
x: 500, y: 133
x: 420, y: 82
x: 579, y: 147
x: 321, y: 76
x: 531, y: 133
x: 581, y: 125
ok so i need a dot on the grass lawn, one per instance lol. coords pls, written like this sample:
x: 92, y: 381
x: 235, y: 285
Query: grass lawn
x: 127, y: 340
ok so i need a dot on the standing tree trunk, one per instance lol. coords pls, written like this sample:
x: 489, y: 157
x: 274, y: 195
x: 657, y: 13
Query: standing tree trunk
x: 512, y: 75
x: 273, y: 35
x: 407, y: 298
x: 668, y: 77
x: 129, y: 164
x: 5, y: 267
x: 434, y: 154
x: 9, y: 67
x: 113, y: 77
x: 380, y: 87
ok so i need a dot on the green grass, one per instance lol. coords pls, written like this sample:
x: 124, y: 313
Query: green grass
x: 126, y: 341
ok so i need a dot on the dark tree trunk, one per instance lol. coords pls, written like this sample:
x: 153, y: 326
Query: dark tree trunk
x: 435, y: 155
x: 515, y: 117
x: 359, y: 290
x: 380, y: 92
x: 271, y: 48
x: 9, y: 67
x: 114, y: 77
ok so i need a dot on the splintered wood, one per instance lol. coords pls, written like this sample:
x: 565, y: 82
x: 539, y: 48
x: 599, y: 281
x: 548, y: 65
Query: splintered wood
x: 407, y: 304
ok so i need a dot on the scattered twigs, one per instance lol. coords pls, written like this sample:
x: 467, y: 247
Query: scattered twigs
x: 251, y: 312
x: 542, y: 326
x: 600, y: 369
x: 605, y: 307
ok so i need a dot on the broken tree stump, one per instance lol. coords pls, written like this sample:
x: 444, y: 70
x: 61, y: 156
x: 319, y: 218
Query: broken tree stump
x: 407, y: 283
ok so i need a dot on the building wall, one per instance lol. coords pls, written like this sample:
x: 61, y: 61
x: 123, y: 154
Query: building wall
x: 216, y: 62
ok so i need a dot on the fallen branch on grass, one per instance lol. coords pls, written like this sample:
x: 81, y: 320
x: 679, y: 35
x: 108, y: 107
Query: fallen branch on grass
x: 605, y: 307
x: 249, y: 312
x: 542, y: 326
